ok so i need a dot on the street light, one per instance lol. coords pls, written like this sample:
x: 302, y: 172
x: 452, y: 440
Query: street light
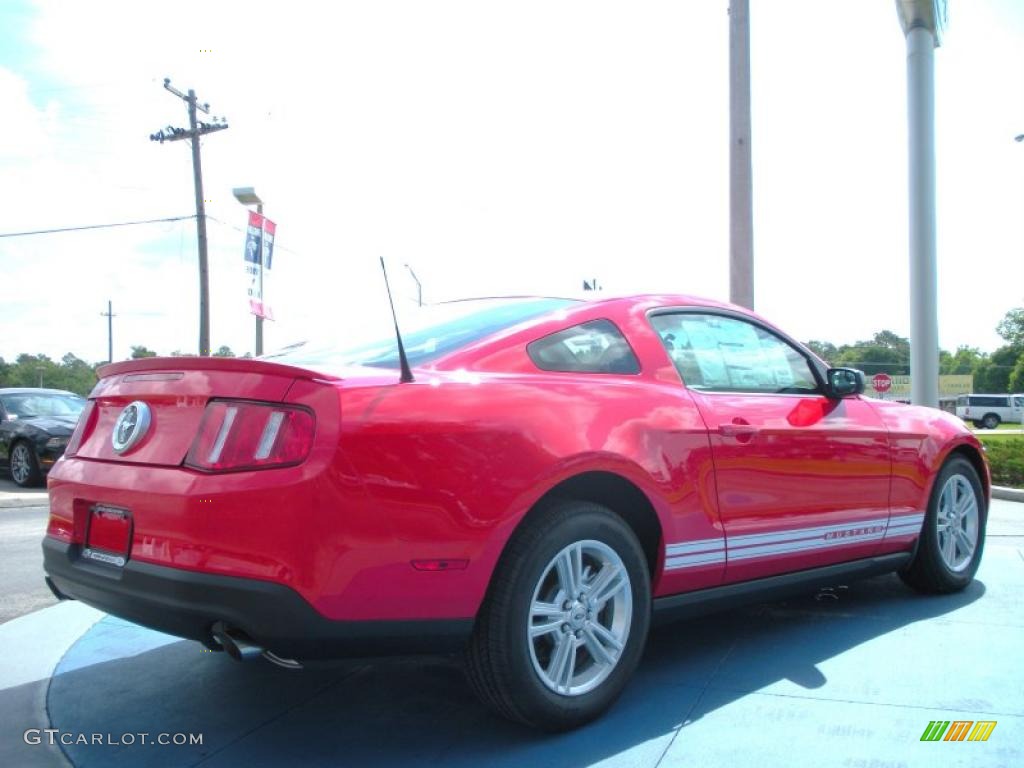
x: 247, y: 196
x: 923, y: 22
x: 419, y: 287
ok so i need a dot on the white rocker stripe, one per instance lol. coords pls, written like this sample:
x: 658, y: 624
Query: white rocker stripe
x: 694, y: 561
x: 796, y: 534
x: 915, y: 519
x: 692, y: 554
x: 804, y: 545
x: 703, y: 545
x: 904, y: 530
x: 905, y: 525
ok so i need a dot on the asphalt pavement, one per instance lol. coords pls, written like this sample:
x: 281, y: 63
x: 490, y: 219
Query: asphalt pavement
x: 21, y: 531
x: 848, y: 677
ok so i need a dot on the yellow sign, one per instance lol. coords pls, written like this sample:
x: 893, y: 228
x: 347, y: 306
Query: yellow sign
x: 899, y: 387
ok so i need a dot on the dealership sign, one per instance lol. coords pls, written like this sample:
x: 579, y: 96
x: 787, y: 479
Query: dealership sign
x: 259, y: 253
x: 887, y: 387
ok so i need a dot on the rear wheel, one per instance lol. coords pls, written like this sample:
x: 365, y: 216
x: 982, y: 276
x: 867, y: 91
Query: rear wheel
x: 991, y: 421
x: 24, y: 465
x: 565, y: 620
x: 953, y: 536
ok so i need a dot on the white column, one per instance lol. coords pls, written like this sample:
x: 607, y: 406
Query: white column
x: 924, y: 319
x: 741, y: 196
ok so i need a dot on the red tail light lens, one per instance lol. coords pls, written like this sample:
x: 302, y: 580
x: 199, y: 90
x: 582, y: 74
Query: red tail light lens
x: 86, y: 422
x: 236, y: 434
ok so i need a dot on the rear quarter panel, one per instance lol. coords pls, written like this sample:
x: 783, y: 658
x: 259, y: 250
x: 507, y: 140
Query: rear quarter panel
x: 454, y: 460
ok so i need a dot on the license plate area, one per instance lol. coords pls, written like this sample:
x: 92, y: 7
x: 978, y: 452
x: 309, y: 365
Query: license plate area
x: 108, y: 537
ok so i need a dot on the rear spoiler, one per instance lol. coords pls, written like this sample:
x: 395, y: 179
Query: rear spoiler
x: 238, y: 364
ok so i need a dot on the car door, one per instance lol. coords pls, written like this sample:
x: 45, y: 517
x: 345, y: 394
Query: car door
x: 802, y: 480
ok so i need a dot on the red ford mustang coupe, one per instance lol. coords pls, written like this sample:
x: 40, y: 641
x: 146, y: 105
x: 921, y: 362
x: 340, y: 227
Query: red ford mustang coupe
x: 528, y: 481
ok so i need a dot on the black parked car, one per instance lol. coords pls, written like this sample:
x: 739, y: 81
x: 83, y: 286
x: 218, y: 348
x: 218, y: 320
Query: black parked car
x: 35, y: 425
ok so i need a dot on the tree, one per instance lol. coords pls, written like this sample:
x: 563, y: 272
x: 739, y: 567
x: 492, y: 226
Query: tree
x: 1011, y: 327
x: 963, y: 361
x: 224, y: 351
x: 78, y: 375
x: 139, y: 351
x: 1017, y: 376
x: 823, y: 349
x: 993, y: 373
x: 885, y: 352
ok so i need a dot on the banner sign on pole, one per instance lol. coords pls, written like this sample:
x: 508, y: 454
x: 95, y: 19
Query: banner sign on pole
x: 259, y: 253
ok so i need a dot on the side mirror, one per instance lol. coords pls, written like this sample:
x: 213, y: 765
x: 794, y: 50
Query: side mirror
x: 843, y: 382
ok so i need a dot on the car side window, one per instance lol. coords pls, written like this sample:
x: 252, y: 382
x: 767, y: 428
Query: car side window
x: 593, y: 347
x: 715, y: 353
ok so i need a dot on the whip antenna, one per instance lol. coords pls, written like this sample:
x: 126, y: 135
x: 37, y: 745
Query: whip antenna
x: 403, y: 361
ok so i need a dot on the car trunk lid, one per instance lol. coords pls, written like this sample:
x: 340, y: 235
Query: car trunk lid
x: 175, y: 391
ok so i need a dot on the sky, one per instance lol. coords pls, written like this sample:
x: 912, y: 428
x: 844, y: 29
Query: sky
x: 496, y: 148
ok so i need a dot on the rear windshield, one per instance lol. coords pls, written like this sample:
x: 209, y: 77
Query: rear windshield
x: 429, y: 333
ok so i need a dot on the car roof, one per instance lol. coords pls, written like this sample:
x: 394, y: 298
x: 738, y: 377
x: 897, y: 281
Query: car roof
x: 35, y: 391
x: 590, y: 298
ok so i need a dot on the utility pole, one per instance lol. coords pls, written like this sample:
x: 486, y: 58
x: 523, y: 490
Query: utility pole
x: 109, y: 314
x: 195, y: 130
x: 741, y: 195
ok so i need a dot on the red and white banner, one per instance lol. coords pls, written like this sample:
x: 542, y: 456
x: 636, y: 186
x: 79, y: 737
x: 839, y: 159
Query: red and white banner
x: 259, y: 254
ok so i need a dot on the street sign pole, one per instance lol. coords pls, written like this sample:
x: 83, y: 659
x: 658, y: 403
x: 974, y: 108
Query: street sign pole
x: 259, y: 317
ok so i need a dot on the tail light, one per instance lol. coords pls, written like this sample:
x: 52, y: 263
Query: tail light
x: 236, y: 434
x: 86, y: 422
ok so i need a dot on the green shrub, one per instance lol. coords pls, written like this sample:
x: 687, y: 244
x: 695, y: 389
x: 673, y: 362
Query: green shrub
x: 1006, y: 458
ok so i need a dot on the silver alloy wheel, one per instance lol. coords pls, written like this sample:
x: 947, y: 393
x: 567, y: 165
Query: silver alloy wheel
x: 957, y: 523
x: 21, y: 466
x: 580, y: 617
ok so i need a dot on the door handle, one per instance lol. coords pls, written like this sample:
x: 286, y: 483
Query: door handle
x: 738, y: 430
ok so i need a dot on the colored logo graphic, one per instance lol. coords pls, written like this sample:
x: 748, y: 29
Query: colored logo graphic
x: 958, y: 730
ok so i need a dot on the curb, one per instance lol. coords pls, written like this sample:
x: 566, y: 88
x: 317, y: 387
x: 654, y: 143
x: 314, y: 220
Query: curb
x: 1007, y: 494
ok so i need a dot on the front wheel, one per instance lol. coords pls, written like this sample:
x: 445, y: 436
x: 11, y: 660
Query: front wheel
x: 25, y: 466
x: 565, y: 621
x: 953, y: 537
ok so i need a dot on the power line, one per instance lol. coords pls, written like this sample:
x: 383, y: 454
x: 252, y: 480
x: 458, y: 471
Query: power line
x: 96, y: 226
x: 277, y: 247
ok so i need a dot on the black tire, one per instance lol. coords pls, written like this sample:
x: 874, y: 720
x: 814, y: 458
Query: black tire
x: 977, y: 424
x: 34, y: 476
x: 929, y: 572
x: 990, y: 421
x: 501, y: 657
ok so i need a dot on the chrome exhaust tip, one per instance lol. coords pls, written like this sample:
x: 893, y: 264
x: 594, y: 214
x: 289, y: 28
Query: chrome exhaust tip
x: 56, y: 592
x: 238, y: 647
x: 273, y: 658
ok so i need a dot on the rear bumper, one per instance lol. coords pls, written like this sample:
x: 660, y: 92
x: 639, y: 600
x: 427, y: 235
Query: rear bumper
x: 273, y: 616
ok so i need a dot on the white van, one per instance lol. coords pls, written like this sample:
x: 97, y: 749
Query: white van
x: 989, y: 411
